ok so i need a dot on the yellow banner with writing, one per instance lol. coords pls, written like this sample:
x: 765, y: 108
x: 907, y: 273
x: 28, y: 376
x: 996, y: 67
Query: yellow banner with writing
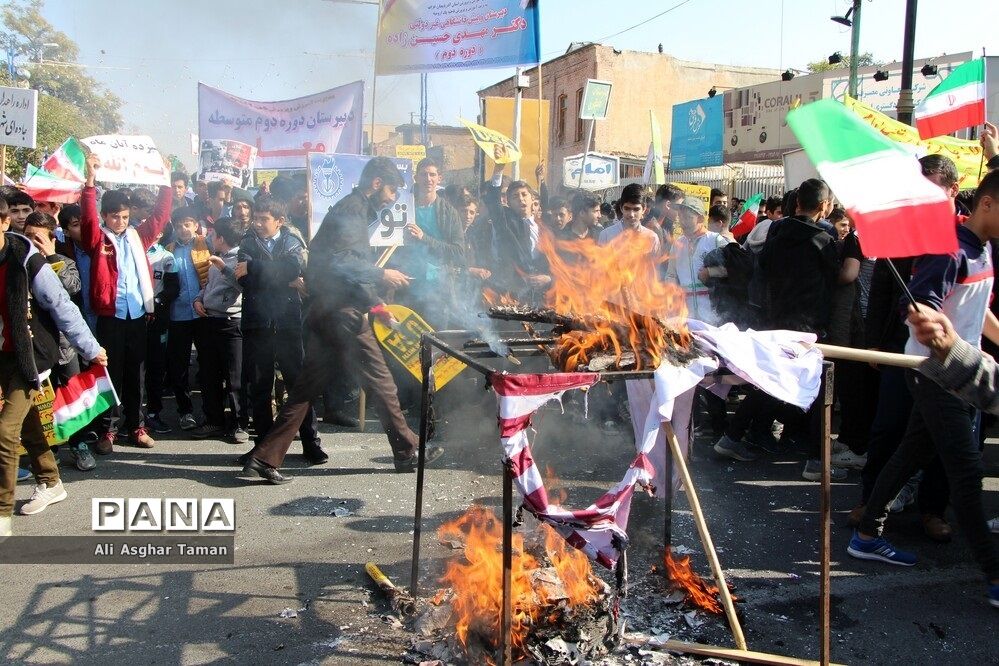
x: 403, y: 343
x: 967, y: 155
x: 412, y: 152
x: 701, y: 191
x: 496, y: 145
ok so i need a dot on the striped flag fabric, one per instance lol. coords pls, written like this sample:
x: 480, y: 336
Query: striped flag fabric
x: 84, y: 397
x: 598, y: 530
x: 40, y: 185
x: 957, y: 102
x: 898, y: 212
x: 69, y: 162
x: 748, y: 216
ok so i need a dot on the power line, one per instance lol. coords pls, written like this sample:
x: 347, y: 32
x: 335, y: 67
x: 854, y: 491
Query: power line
x: 643, y: 22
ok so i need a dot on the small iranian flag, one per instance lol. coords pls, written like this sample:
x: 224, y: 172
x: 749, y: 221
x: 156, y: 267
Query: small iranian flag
x: 69, y: 162
x: 898, y: 212
x: 748, y: 216
x: 81, y: 400
x: 957, y: 102
x: 40, y: 185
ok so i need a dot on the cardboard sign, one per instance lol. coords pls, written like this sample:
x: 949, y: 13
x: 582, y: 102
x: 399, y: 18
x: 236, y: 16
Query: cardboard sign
x: 128, y: 159
x: 227, y: 161
x: 18, y: 117
x: 498, y: 147
x: 403, y: 343
x: 334, y: 176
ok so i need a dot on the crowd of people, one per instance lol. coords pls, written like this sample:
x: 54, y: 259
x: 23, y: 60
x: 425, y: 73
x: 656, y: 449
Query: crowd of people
x: 279, y: 317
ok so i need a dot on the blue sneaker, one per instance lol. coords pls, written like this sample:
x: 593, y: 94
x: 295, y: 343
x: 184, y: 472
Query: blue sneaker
x: 994, y: 595
x: 880, y: 550
x: 23, y: 474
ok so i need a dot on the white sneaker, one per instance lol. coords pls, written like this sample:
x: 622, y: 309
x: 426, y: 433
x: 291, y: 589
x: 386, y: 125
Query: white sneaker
x: 993, y: 525
x: 5, y: 527
x: 42, y: 497
x: 848, y: 459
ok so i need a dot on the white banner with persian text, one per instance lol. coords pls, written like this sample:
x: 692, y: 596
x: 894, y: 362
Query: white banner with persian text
x: 285, y: 132
x: 18, y: 117
x: 128, y: 159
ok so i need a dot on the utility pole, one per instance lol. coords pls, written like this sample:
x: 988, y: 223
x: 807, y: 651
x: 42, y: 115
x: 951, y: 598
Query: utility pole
x: 854, y: 47
x: 905, y: 106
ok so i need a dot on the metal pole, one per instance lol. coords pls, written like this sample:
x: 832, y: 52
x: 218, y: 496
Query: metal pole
x: 586, y: 152
x: 905, y: 106
x: 517, y: 104
x: 426, y: 362
x: 854, y: 47
x: 506, y: 626
x: 825, y: 510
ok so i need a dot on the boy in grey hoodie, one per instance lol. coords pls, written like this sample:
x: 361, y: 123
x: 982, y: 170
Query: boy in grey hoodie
x: 217, y: 332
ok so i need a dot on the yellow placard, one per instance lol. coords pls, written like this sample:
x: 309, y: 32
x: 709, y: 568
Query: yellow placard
x: 412, y: 152
x: 701, y: 191
x: 43, y: 401
x: 497, y: 146
x: 403, y: 343
x: 967, y: 155
x: 263, y: 177
x: 534, y: 120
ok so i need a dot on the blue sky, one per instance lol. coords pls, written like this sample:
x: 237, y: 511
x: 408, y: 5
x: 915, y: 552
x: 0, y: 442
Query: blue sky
x: 152, y: 53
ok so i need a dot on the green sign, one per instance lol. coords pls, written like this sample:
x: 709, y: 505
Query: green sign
x: 596, y: 100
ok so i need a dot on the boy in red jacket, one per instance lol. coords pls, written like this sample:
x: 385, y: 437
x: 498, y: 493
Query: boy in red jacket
x: 121, y: 293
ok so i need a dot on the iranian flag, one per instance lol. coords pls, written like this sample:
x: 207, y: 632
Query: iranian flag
x: 898, y: 212
x: 69, y: 162
x: 748, y: 217
x: 61, y: 176
x: 81, y: 400
x: 957, y: 102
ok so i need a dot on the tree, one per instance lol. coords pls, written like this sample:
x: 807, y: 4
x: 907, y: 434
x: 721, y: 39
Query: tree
x: 70, y: 102
x: 863, y: 60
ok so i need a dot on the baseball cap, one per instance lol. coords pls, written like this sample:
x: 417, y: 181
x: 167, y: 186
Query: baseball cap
x: 694, y: 204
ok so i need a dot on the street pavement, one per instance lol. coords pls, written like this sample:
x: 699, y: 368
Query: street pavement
x: 303, y: 547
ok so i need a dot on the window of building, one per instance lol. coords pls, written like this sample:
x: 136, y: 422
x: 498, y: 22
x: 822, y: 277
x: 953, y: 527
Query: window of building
x: 560, y: 123
x: 579, y: 108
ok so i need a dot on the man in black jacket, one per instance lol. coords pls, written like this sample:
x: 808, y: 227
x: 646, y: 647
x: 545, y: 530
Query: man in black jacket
x: 343, y: 282
x: 270, y: 269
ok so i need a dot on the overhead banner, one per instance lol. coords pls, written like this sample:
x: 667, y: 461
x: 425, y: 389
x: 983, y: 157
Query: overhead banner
x: 967, y: 155
x: 697, y: 134
x: 498, y: 114
x: 18, y: 117
x: 332, y: 177
x: 285, y: 132
x: 497, y: 146
x: 445, y: 35
x: 128, y: 159
x: 600, y: 172
x: 227, y: 161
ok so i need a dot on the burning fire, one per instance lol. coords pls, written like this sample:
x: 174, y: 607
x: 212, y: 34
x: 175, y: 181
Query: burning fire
x: 699, y: 592
x: 477, y: 582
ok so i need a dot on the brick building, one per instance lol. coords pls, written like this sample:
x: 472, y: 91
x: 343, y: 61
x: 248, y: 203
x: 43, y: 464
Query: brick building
x: 642, y: 81
x: 452, y: 145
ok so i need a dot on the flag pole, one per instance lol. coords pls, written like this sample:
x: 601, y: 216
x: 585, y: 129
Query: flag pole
x: 114, y: 391
x: 985, y: 76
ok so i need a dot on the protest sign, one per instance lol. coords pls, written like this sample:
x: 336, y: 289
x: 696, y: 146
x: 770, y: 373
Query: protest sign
x: 332, y: 177
x: 263, y: 177
x: 44, y: 401
x: 596, y: 100
x: 285, y: 132
x: 967, y: 155
x: 498, y: 112
x: 403, y: 343
x: 498, y: 147
x: 227, y: 161
x: 601, y: 172
x: 702, y: 192
x: 18, y: 117
x: 413, y: 153
x: 128, y: 159
x: 419, y: 36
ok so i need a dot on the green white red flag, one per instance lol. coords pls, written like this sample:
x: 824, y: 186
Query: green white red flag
x: 957, y: 102
x: 898, y: 212
x: 748, y: 216
x: 61, y: 176
x: 84, y: 397
x: 69, y: 162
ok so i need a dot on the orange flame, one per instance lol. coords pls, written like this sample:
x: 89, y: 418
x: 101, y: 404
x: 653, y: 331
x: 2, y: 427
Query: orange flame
x: 699, y: 592
x: 477, y: 582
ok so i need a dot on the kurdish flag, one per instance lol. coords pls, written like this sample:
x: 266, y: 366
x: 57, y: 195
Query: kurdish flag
x: 81, y: 400
x: 957, y: 102
x: 748, y: 216
x: 898, y: 212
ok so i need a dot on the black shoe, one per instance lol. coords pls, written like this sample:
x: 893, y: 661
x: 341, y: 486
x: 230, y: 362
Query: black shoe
x: 266, y: 472
x: 341, y: 419
x: 408, y: 465
x: 315, y: 455
x: 156, y: 424
x: 243, y: 459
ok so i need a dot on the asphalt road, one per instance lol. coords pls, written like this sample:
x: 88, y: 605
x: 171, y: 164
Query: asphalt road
x: 295, y: 552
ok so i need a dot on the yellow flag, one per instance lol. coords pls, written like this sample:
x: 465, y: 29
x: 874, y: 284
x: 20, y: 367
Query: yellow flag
x: 658, y: 175
x: 500, y: 148
x: 967, y: 155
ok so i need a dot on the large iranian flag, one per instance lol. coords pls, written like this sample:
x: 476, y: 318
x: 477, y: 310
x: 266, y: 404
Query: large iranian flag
x: 898, y: 212
x: 84, y: 397
x: 957, y: 102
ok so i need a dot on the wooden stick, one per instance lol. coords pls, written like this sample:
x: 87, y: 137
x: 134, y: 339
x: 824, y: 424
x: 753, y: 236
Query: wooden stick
x: 825, y: 512
x: 386, y: 255
x: 362, y: 399
x: 729, y: 654
x: 869, y: 356
x: 702, y: 528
